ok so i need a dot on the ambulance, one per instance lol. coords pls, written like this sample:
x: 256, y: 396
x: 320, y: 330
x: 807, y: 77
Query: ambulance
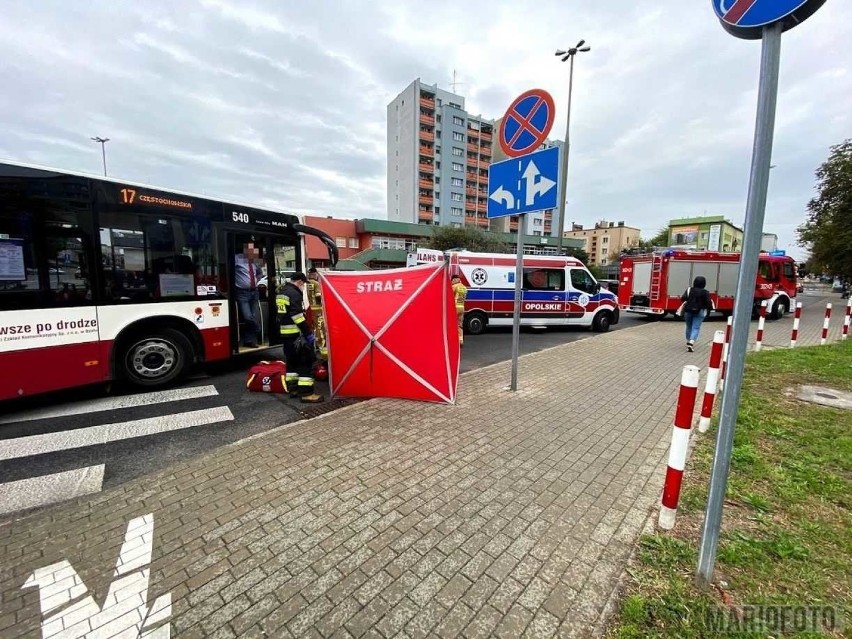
x: 557, y: 291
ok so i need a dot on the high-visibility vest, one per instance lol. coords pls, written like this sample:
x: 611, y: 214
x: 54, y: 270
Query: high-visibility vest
x: 459, y: 293
x: 314, y: 295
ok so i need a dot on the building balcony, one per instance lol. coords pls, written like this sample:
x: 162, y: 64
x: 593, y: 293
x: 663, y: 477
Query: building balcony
x: 427, y: 119
x: 482, y: 207
x: 470, y: 190
x: 426, y: 184
x: 485, y: 136
x: 424, y: 215
x: 427, y: 103
x: 427, y: 135
x: 471, y: 176
x: 474, y: 148
x: 470, y: 219
x: 428, y: 151
x: 427, y: 168
x: 425, y: 199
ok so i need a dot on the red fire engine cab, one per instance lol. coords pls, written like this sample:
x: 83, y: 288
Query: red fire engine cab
x: 652, y: 284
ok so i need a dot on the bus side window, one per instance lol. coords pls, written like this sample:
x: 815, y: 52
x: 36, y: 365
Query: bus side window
x: 69, y: 280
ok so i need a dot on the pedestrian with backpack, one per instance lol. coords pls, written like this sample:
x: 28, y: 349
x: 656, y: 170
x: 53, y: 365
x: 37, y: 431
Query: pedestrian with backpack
x: 696, y: 306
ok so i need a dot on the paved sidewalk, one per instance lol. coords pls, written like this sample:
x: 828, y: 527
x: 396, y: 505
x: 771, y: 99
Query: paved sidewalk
x: 506, y: 515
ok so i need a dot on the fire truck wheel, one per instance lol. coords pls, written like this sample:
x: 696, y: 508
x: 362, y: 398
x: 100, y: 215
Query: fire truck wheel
x: 475, y: 323
x: 779, y: 308
x: 601, y: 322
x: 156, y: 358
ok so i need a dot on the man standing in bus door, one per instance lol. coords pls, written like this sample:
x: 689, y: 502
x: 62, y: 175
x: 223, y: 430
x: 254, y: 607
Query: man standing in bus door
x: 298, y: 340
x: 247, y: 273
x: 459, y: 294
x: 315, y: 303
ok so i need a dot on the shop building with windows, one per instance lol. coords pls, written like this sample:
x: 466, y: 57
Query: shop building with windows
x: 711, y: 233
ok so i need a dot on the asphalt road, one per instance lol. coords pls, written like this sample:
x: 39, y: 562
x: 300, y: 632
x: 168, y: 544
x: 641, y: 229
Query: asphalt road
x: 210, y: 409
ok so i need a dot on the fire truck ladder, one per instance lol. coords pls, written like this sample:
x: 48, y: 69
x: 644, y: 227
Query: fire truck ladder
x: 656, y: 276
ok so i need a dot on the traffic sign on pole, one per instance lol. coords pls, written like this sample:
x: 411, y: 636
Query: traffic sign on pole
x: 527, y: 122
x: 525, y: 184
x: 746, y: 18
x: 750, y: 19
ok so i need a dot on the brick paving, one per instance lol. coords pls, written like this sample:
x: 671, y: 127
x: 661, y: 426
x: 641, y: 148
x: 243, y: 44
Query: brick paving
x: 506, y: 515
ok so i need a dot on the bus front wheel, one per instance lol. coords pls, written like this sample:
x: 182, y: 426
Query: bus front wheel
x: 157, y: 358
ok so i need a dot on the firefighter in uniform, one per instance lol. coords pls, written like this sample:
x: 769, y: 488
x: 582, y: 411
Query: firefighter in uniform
x: 459, y: 294
x: 315, y: 303
x: 298, y: 353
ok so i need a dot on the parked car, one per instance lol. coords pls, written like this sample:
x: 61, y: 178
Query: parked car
x: 610, y: 285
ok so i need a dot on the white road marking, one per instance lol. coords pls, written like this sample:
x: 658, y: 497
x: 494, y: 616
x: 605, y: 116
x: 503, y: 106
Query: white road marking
x: 112, y: 403
x: 50, y: 489
x: 81, y: 437
x: 124, y: 612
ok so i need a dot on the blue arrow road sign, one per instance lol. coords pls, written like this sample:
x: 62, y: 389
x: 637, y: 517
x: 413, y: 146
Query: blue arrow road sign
x: 524, y: 184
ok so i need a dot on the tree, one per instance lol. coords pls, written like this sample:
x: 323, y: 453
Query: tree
x: 660, y: 239
x: 827, y: 232
x: 579, y: 253
x: 471, y: 238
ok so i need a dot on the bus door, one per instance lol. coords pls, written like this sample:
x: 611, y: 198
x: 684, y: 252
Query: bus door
x: 277, y: 259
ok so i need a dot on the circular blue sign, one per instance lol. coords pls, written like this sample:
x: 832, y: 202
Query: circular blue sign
x: 746, y: 18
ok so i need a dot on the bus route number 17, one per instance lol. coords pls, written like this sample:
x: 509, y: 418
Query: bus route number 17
x: 240, y: 217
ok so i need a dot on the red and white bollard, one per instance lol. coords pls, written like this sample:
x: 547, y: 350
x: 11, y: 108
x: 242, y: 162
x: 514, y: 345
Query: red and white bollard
x: 761, y: 322
x: 680, y: 443
x: 794, y: 336
x: 825, y: 325
x: 725, y: 352
x: 712, y: 381
x: 847, y: 320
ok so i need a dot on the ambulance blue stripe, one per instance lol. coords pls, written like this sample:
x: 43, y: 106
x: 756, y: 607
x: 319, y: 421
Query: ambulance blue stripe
x: 487, y: 295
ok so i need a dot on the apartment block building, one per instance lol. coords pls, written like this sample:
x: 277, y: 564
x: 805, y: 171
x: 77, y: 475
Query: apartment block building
x: 605, y: 241
x: 438, y: 158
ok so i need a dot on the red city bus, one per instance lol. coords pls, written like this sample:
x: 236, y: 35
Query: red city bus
x: 102, y: 279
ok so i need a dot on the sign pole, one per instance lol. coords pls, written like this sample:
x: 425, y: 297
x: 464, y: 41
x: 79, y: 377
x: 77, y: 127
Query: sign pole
x: 516, y: 320
x: 755, y: 211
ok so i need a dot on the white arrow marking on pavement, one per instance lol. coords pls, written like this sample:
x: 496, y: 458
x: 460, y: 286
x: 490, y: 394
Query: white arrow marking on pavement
x: 125, y: 611
x: 50, y: 489
x: 78, y: 438
x: 112, y: 403
x: 536, y: 187
x: 502, y: 195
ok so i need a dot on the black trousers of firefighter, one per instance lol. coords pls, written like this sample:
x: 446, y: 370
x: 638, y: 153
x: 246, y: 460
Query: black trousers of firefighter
x: 300, y: 358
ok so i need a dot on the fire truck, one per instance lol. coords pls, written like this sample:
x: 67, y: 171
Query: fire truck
x: 557, y: 291
x: 652, y: 284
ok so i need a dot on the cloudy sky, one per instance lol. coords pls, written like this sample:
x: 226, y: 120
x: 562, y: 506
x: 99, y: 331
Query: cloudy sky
x: 283, y: 103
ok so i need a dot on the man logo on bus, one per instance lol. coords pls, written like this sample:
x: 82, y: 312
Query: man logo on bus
x: 479, y: 276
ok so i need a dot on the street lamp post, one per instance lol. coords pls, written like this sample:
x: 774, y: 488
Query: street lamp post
x: 563, y: 168
x: 102, y: 142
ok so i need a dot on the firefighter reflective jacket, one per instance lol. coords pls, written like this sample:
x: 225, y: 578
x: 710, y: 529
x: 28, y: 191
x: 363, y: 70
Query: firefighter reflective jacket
x: 291, y: 311
x: 314, y: 295
x: 459, y: 293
